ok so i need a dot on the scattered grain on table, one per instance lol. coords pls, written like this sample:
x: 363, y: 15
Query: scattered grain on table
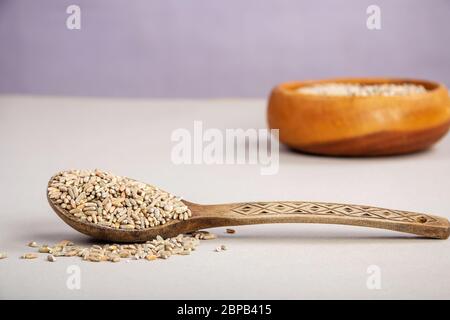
x: 158, y: 248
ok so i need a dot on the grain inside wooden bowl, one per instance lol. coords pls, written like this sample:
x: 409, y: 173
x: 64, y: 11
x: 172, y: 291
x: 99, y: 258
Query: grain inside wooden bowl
x: 359, y: 125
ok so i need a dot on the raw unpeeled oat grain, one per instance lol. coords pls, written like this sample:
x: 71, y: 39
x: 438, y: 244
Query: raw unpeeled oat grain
x: 151, y: 250
x: 221, y: 248
x: 356, y: 89
x: 108, y: 200
x: 203, y: 235
x: 44, y: 249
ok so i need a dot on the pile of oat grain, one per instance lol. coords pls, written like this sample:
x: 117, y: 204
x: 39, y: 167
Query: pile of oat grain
x: 113, y: 201
x: 347, y: 89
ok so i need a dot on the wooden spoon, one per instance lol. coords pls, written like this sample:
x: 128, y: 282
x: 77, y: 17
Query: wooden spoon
x: 246, y: 213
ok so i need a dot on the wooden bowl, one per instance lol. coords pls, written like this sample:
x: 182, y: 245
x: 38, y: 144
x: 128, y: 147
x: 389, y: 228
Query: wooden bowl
x: 357, y: 125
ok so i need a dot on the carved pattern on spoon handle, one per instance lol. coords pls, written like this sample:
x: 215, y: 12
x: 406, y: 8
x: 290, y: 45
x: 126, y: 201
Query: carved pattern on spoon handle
x: 331, y: 209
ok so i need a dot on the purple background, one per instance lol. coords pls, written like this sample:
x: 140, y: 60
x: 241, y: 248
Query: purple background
x: 213, y: 48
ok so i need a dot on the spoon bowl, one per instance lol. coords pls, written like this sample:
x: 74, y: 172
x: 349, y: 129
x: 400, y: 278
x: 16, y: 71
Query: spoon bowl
x: 170, y: 229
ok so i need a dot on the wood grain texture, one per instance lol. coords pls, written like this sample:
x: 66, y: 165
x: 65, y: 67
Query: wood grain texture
x: 359, y: 126
x: 209, y: 216
x: 380, y: 143
x: 328, y: 213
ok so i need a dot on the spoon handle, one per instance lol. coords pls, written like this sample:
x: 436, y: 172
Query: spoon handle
x: 329, y: 213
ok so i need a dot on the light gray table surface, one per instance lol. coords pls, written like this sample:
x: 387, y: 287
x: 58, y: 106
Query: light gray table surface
x: 42, y: 135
